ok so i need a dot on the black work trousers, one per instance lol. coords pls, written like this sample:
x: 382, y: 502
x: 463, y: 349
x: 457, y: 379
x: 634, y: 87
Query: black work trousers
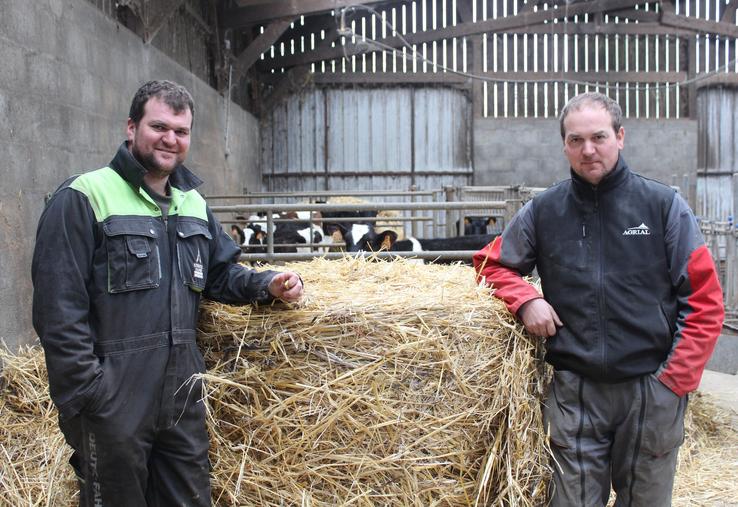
x: 143, y: 441
x: 625, y: 435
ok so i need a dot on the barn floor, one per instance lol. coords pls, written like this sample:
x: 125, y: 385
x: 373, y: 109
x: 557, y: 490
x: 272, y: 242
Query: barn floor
x: 723, y: 388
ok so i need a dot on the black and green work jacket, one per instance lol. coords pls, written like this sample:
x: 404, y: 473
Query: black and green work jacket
x: 113, y: 277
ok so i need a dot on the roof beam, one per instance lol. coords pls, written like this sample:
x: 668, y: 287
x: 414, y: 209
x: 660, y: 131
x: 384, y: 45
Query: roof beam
x: 251, y: 3
x: 245, y: 16
x: 157, y: 14
x: 295, y: 77
x: 451, y: 78
x: 720, y: 78
x: 464, y: 10
x: 519, y: 21
x: 605, y: 29
x: 313, y: 25
x: 637, y: 15
x: 262, y: 43
x: 699, y: 25
x: 729, y: 12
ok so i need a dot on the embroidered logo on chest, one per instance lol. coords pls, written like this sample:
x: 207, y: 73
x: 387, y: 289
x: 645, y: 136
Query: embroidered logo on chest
x: 641, y: 230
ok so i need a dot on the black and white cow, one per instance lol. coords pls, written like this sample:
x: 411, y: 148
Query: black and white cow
x: 387, y: 241
x: 349, y: 232
x: 474, y: 226
x: 298, y: 230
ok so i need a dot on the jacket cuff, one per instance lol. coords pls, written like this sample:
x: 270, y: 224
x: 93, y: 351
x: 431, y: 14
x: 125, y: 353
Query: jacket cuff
x: 77, y: 404
x: 263, y: 296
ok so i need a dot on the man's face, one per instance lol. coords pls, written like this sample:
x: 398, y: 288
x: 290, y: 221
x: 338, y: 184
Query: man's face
x: 590, y: 143
x: 161, y: 139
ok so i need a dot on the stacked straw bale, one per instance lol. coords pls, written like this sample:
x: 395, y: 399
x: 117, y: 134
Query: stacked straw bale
x: 34, y: 459
x: 392, y: 383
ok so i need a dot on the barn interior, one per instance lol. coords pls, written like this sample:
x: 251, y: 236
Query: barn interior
x: 439, y: 97
x: 410, y: 105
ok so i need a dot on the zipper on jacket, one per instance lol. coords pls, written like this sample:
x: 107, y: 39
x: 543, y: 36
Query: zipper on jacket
x: 601, y: 285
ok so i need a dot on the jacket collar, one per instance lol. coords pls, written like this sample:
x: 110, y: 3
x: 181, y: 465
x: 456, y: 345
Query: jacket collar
x: 618, y: 175
x: 131, y: 170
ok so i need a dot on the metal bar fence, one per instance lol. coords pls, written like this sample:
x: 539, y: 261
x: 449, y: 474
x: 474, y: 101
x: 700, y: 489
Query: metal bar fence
x: 722, y: 240
x: 509, y: 207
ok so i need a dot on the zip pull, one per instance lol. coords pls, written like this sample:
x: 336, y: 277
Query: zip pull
x: 584, y: 230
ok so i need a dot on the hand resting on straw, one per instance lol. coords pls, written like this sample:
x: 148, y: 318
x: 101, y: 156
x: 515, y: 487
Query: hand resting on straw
x: 286, y: 286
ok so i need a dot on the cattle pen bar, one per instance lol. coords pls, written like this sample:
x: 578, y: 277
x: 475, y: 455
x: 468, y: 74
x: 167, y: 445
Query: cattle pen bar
x: 369, y: 206
x: 510, y: 207
x: 445, y: 255
x: 326, y: 193
x: 323, y: 196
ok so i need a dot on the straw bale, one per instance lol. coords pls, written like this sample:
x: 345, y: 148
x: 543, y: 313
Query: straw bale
x: 34, y: 459
x: 390, y: 384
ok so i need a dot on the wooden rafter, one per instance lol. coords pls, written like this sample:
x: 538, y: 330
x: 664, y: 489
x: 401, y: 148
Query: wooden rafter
x: 465, y: 29
x: 637, y: 15
x: 464, y: 10
x: 262, y: 43
x: 251, y: 3
x: 246, y: 16
x: 699, y: 25
x: 729, y: 12
x: 603, y: 29
x: 295, y: 77
x: 541, y: 76
x: 157, y: 14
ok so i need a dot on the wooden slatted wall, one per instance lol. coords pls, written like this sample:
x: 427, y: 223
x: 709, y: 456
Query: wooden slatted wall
x: 642, y: 71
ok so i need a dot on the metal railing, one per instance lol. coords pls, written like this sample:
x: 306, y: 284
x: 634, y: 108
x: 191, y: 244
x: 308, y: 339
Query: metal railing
x: 436, y: 223
x: 419, y: 224
x: 508, y: 207
x: 722, y: 240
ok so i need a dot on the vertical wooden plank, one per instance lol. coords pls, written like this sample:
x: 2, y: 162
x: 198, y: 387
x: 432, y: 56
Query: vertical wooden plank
x: 691, y: 98
x: 546, y: 109
x: 510, y: 54
x: 496, y: 49
x: 563, y: 53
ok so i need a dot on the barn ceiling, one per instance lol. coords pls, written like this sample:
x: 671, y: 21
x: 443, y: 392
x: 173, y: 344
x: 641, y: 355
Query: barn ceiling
x: 253, y: 27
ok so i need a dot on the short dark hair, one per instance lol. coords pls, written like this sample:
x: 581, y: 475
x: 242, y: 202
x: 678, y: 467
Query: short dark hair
x: 576, y: 102
x: 175, y: 96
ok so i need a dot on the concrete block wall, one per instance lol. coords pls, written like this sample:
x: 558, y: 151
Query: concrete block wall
x: 529, y: 151
x: 67, y: 76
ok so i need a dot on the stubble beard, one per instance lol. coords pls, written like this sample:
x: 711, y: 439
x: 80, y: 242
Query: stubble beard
x: 149, y: 162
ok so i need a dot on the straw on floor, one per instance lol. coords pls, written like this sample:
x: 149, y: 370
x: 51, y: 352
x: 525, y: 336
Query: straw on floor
x: 392, y: 383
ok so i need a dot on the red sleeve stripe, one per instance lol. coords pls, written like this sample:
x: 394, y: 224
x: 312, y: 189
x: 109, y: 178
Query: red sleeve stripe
x: 507, y: 282
x: 701, y: 328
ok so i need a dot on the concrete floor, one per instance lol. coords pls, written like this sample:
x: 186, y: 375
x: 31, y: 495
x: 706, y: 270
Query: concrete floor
x: 723, y: 387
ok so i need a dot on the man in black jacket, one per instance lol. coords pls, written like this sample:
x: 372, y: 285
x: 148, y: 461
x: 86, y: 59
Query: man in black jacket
x: 122, y: 257
x: 631, y: 309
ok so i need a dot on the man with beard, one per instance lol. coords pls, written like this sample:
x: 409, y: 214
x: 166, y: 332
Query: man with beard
x: 123, y: 255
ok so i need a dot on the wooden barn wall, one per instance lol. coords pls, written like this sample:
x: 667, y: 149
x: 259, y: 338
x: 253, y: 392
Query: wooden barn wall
x: 186, y: 36
x: 718, y: 152
x: 648, y: 67
x: 354, y: 139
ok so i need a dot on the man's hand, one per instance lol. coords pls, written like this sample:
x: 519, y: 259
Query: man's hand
x: 539, y: 318
x: 286, y: 286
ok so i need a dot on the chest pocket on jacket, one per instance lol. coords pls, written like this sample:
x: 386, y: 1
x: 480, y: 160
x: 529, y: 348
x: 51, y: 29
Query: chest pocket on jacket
x: 193, y: 253
x: 133, y: 257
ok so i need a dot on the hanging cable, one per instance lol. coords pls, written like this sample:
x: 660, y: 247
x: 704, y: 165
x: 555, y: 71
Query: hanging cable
x: 366, y: 42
